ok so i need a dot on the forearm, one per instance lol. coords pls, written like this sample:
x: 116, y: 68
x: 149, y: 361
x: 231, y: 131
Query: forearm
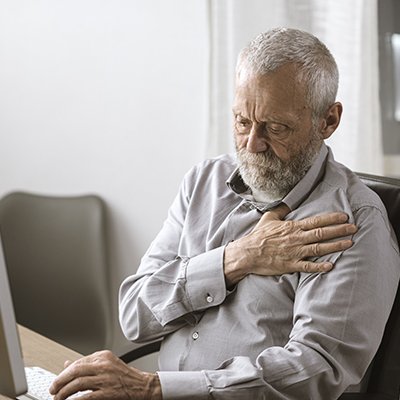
x: 235, y: 264
x: 161, y: 302
x: 153, y: 387
x: 296, y: 371
x: 278, y: 374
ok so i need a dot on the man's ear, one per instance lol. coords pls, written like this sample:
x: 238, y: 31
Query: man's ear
x: 331, y: 120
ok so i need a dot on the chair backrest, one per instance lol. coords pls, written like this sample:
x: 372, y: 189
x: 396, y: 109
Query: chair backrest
x: 55, y: 250
x: 385, y: 374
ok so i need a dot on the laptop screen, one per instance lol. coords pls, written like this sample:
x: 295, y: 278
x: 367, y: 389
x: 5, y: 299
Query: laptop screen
x: 12, y: 373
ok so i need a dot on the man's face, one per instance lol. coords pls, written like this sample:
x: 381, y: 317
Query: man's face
x: 275, y: 139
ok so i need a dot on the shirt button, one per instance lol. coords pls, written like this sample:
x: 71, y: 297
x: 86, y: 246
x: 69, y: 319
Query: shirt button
x: 209, y: 299
x: 195, y: 335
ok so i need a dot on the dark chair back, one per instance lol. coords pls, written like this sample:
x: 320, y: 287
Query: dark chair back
x: 384, y: 379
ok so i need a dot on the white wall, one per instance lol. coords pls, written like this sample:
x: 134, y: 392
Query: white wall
x: 106, y: 97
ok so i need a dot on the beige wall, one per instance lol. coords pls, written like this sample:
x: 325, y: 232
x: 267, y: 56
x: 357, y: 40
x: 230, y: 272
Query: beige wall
x: 107, y: 97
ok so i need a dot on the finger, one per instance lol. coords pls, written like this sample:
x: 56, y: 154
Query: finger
x: 328, y: 233
x: 85, y: 385
x: 75, y: 370
x: 312, y: 267
x: 67, y: 363
x: 322, y: 220
x: 277, y: 213
x: 322, y: 249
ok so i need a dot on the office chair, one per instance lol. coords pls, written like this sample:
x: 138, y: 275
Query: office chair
x: 55, y: 250
x: 384, y: 372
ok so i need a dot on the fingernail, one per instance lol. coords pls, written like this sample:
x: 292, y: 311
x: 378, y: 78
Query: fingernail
x: 52, y: 389
x: 327, y: 267
x: 353, y: 228
x: 346, y: 244
x: 344, y: 217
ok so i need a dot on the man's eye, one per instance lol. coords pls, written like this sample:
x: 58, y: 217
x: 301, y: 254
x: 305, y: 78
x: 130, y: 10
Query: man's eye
x: 243, y: 123
x: 277, y: 128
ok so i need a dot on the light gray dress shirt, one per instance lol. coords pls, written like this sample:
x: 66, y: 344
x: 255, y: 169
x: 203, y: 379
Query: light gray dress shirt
x: 295, y: 336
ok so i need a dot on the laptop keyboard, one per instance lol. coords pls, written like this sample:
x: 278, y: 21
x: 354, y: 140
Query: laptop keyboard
x: 39, y: 381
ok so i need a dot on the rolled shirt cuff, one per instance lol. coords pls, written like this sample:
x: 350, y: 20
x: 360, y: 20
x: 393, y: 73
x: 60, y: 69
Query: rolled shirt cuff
x: 206, y: 280
x: 176, y: 385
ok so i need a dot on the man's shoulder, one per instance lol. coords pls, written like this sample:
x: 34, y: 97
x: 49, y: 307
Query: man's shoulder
x: 341, y: 179
x: 223, y: 161
x: 220, y: 167
x: 209, y: 177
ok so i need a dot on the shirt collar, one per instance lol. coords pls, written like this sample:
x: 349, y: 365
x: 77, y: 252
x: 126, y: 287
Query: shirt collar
x: 295, y: 197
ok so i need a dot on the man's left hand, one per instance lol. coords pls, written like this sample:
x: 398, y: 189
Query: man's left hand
x: 105, y: 376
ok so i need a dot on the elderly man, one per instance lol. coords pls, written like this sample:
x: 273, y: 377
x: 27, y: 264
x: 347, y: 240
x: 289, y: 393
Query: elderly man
x: 260, y: 283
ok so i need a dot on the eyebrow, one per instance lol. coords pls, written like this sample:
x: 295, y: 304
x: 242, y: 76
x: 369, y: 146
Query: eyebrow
x: 290, y: 121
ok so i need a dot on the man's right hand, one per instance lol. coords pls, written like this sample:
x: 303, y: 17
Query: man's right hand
x: 276, y: 247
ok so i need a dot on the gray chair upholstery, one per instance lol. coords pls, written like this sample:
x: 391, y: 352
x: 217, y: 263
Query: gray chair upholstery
x: 384, y: 373
x: 56, y: 255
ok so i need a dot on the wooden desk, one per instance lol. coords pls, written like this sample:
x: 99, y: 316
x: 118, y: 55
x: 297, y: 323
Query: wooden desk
x: 42, y: 352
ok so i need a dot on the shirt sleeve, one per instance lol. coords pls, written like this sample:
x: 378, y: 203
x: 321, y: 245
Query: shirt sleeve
x: 338, y: 323
x: 170, y: 289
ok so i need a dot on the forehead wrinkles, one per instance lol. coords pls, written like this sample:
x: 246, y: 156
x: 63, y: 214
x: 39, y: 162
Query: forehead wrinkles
x: 279, y: 91
x: 262, y: 104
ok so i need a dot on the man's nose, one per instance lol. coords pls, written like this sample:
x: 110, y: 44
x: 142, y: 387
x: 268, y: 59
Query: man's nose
x: 256, y: 142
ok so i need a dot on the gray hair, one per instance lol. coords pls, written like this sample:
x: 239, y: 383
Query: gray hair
x: 317, y: 67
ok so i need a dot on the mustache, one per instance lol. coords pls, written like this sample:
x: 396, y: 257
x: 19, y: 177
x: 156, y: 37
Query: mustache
x: 265, y: 159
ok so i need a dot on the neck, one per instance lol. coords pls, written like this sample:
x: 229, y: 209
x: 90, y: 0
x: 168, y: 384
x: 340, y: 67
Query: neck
x: 263, y: 197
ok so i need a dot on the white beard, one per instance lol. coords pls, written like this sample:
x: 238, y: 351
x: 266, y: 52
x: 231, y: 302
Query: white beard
x: 271, y: 178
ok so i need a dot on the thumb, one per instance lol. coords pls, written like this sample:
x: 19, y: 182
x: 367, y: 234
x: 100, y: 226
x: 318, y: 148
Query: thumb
x: 277, y: 213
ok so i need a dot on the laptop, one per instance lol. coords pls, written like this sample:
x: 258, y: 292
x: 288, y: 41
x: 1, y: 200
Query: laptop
x: 16, y: 381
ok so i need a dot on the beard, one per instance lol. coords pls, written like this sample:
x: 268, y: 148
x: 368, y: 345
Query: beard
x: 267, y: 173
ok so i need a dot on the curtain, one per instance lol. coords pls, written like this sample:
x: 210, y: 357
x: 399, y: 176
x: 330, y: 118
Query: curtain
x: 350, y: 31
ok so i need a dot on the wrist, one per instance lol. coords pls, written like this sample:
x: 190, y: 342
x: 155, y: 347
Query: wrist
x: 153, y: 387
x: 234, y: 267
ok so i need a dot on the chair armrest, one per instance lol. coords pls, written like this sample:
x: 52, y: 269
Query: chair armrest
x: 366, y: 396
x: 141, y: 351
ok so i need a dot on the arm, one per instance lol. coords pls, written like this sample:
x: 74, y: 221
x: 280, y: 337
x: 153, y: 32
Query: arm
x: 338, y: 324
x: 163, y: 295
x: 177, y: 282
